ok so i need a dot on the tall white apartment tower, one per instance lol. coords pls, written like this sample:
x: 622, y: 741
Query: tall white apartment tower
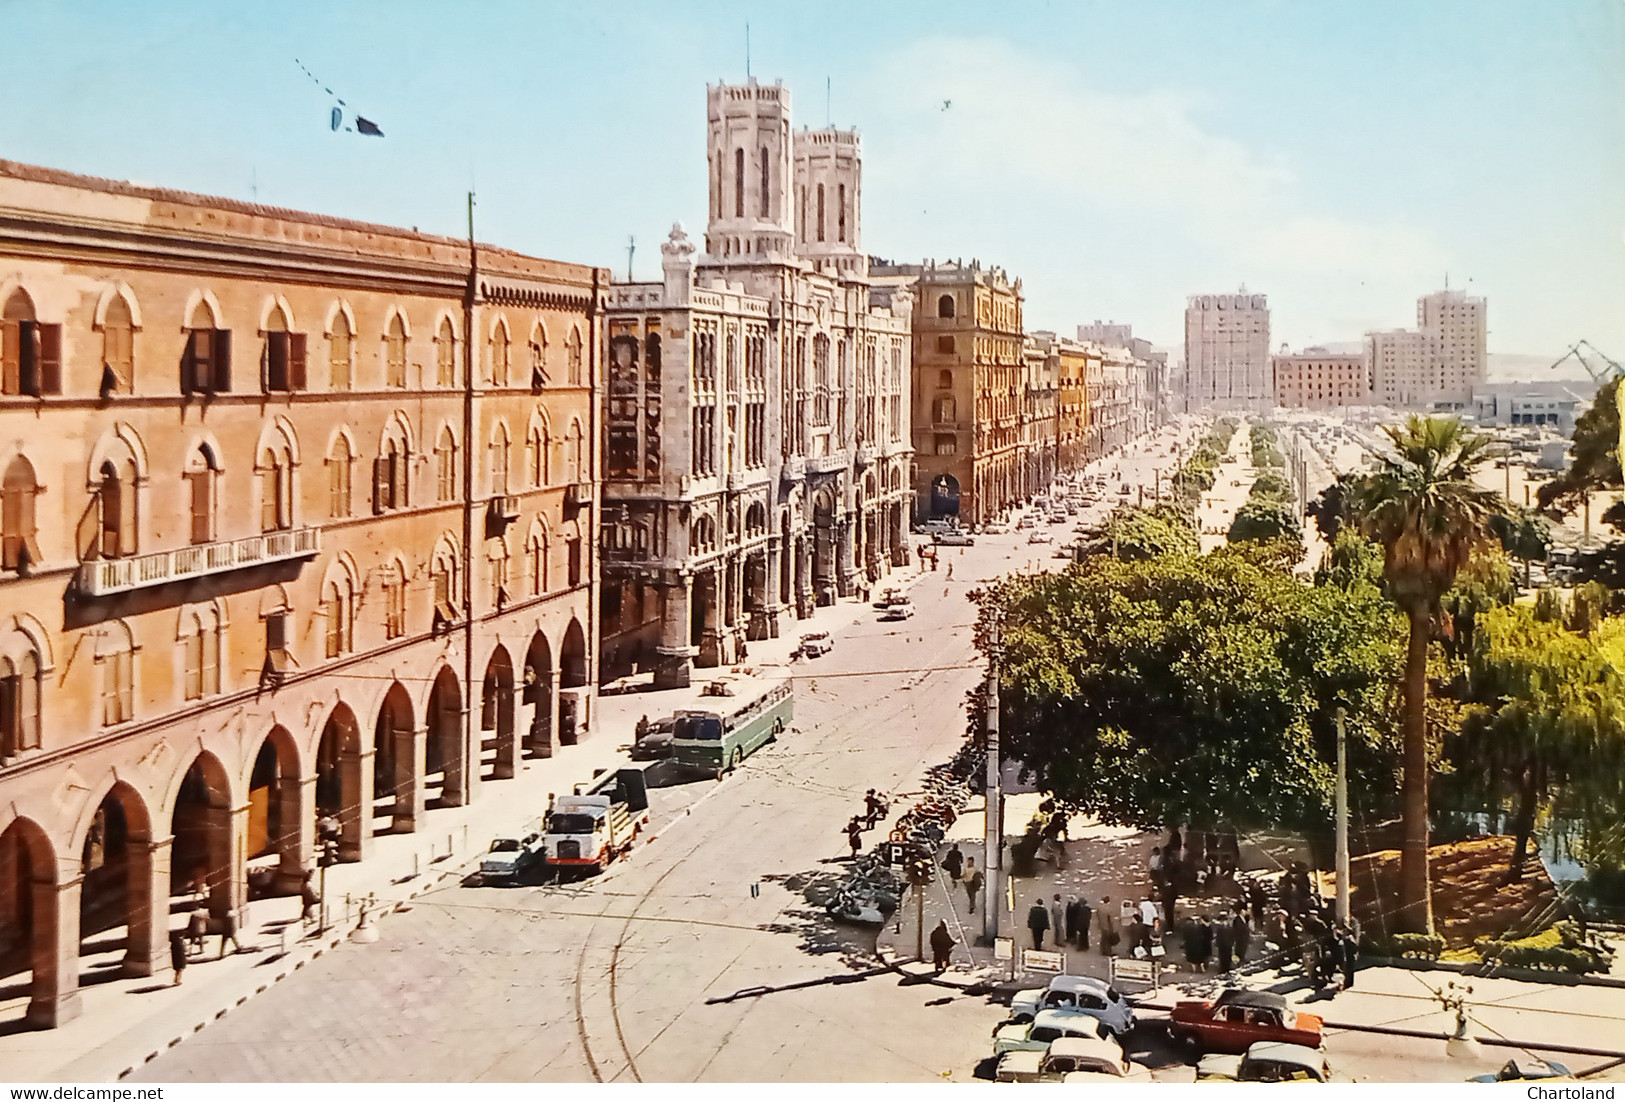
x: 749, y: 147
x: 1457, y: 324
x: 1227, y: 353
x: 828, y: 199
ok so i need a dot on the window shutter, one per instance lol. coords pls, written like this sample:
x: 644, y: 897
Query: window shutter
x: 189, y: 378
x: 201, y: 507
x: 296, y: 361
x: 380, y: 484
x: 10, y: 357
x: 221, y: 348
x: 28, y: 351
x: 276, y: 361
x: 50, y: 358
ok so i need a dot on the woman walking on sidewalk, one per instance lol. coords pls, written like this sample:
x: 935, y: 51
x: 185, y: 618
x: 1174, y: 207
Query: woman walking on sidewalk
x: 177, y: 955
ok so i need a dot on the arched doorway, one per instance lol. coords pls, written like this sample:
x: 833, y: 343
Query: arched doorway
x: 118, y: 890
x: 203, y: 857
x: 343, y: 784
x: 573, y: 717
x: 705, y: 616
x: 397, y: 766
x: 275, y: 827
x: 444, y: 779
x: 945, y: 496
x: 823, y: 551
x: 539, y: 696
x: 497, y: 743
x: 31, y: 926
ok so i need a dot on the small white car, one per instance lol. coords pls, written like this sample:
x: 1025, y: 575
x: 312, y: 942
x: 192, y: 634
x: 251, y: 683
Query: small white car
x: 510, y: 858
x: 1084, y: 994
x: 955, y: 538
x: 1027, y: 521
x: 1039, y: 537
x: 1089, y: 1059
x: 900, y: 608
x: 816, y: 643
x: 1050, y: 1025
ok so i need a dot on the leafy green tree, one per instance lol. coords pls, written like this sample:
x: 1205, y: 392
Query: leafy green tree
x: 1550, y: 606
x: 1545, y: 711
x: 1272, y: 484
x: 1194, y: 689
x: 1350, y: 562
x: 1422, y: 506
x: 1594, y: 462
x: 1137, y: 533
x: 1484, y: 582
x: 1265, y: 519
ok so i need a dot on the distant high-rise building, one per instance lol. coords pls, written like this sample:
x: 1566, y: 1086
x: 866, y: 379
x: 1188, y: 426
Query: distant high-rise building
x: 1227, y: 353
x: 1457, y: 324
x: 1404, y: 367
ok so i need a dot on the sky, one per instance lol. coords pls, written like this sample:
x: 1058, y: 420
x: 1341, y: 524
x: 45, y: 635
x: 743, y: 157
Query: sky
x: 1342, y: 158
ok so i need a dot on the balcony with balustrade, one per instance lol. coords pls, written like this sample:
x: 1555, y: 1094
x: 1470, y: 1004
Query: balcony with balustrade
x: 105, y: 577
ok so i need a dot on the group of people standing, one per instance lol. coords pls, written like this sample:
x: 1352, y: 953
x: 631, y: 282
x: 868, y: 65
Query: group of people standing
x: 962, y: 870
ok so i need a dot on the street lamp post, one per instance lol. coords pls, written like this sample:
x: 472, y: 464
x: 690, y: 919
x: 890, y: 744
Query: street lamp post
x: 993, y: 835
x: 1342, y: 822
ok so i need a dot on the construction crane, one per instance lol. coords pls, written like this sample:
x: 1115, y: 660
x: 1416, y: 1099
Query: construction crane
x: 1598, y: 375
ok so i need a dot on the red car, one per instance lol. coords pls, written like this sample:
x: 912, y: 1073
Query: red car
x: 1237, y: 1019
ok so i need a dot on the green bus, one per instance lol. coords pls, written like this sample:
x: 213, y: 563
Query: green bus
x: 717, y: 741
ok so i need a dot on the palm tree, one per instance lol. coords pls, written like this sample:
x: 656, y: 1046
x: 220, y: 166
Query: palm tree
x: 1422, y: 507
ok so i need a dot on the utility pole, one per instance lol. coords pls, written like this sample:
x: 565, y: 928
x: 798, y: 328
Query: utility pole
x: 1342, y: 822
x: 993, y: 839
x: 631, y: 248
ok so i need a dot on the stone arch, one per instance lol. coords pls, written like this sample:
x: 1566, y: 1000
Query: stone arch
x: 538, y: 696
x: 498, y: 739
x: 335, y: 308
x: 279, y: 431
x: 121, y: 445
x: 445, y: 768
x: 756, y: 519
x: 206, y: 851
x: 274, y: 783
x: 115, y: 844
x: 272, y: 303
x: 111, y: 291
x: 397, y: 760
x: 344, y: 783
x: 204, y: 298
x: 573, y: 675
x: 32, y: 902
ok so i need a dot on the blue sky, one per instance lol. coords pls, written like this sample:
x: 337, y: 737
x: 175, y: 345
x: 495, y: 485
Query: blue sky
x: 1339, y: 157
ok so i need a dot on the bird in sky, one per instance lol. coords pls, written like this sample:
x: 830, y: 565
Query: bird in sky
x: 947, y: 103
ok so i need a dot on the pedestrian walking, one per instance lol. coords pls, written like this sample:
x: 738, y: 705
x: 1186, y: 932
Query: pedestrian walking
x: 177, y: 955
x: 1154, y: 865
x: 1241, y: 936
x: 1173, y: 854
x: 1348, y: 953
x: 1259, y: 900
x: 1085, y: 916
x: 228, y: 932
x: 874, y: 807
x: 973, y: 881
x: 1139, y: 938
x: 942, y: 944
x: 1197, y: 945
x: 1170, y: 897
x: 1222, y: 945
x: 954, y: 863
x: 854, y: 838
x: 1038, y: 922
x: 308, y: 898
x: 1106, y: 927
x: 1057, y: 920
x: 1074, y: 911
x: 197, y: 925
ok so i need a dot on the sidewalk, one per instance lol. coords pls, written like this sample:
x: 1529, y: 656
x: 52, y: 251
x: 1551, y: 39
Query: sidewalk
x: 126, y: 1021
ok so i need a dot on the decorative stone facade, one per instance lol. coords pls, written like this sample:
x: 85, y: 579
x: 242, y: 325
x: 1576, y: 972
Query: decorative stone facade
x: 756, y: 415
x: 280, y: 542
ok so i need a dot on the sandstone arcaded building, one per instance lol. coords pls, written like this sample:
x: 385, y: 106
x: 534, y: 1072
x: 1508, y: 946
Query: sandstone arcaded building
x: 298, y: 521
x: 757, y: 445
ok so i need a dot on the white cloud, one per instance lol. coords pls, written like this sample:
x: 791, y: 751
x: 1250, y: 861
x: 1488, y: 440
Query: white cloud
x: 966, y: 117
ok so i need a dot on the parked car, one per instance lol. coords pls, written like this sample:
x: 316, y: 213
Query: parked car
x: 955, y: 538
x: 1091, y: 1059
x: 1048, y: 1026
x: 1039, y: 537
x: 1083, y: 993
x: 1267, y: 1062
x: 1531, y: 1068
x: 510, y: 858
x: 1237, y: 1019
x: 816, y: 643
x: 900, y: 609
x: 655, y: 743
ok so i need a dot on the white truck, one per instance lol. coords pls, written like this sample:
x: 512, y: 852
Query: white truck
x: 598, y: 823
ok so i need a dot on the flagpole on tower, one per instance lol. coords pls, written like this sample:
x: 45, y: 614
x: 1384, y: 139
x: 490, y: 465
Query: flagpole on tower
x: 747, y: 51
x: 631, y: 247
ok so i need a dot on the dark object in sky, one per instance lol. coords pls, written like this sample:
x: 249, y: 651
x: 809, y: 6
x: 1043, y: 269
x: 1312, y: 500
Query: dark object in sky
x: 338, y: 117
x: 367, y: 126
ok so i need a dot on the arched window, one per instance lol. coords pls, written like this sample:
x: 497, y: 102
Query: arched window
x: 339, y: 351
x: 572, y: 554
x: 536, y: 561
x: 276, y: 486
x: 536, y: 456
x: 945, y: 306
x: 445, y: 467
x: 445, y: 373
x: 820, y: 212
x: 538, y: 359
x: 18, y: 547
x: 206, y: 363
x: 115, y: 511
x: 499, y: 355
x: 574, y: 460
x: 497, y: 553
x: 30, y: 352
x: 115, y: 655
x: 340, y: 463
x: 395, y: 353
x: 443, y: 576
x: 200, y: 646
x: 284, y: 354
x: 739, y: 182
x: 338, y: 611
x: 118, y: 348
x: 573, y: 347
x: 840, y: 213
x: 764, y: 182
x: 19, y: 699
x: 499, y: 461
x: 202, y: 476
x: 394, y: 601
x: 389, y: 472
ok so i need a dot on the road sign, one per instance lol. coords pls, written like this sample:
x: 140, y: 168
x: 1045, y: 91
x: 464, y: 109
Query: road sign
x: 1004, y: 948
x: 1042, y: 960
x: 1137, y: 971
